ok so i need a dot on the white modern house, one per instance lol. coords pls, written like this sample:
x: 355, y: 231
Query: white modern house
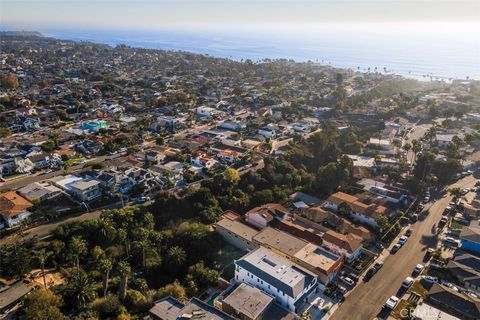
x: 86, y: 190
x: 288, y: 283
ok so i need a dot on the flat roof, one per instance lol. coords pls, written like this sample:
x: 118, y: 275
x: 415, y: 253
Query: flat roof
x: 65, y: 182
x: 248, y: 300
x: 317, y: 257
x: 167, y: 308
x: 237, y: 228
x: 280, y: 240
x: 13, y: 293
x: 276, y: 271
x: 85, y: 184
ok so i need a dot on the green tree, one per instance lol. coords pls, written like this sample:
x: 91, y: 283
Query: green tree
x: 174, y: 289
x: 80, y: 290
x: 124, y: 270
x: 176, y: 257
x: 42, y: 304
x: 105, y: 266
x: 42, y: 256
x: 78, y: 247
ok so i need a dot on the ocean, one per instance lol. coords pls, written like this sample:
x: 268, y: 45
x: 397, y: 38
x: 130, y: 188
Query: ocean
x: 421, y: 51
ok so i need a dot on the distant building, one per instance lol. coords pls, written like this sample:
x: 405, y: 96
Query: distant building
x: 40, y: 191
x: 86, y: 190
x: 470, y: 237
x: 13, y: 209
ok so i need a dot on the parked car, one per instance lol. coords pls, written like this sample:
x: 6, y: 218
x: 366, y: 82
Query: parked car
x: 409, y: 231
x: 348, y: 281
x: 402, y: 240
x: 407, y: 283
x: 378, y: 265
x: 392, y: 302
x: 414, y: 217
x: 395, y: 248
x: 418, y: 268
x: 430, y: 251
x: 370, y: 273
x: 342, y: 290
x: 430, y: 279
x: 142, y: 199
x: 451, y: 241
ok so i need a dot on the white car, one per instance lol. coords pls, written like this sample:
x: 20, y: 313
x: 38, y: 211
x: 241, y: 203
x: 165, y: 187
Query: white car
x: 348, y: 281
x: 430, y: 279
x: 392, y: 302
x: 402, y: 240
x: 407, y: 283
x: 451, y: 241
x: 418, y: 268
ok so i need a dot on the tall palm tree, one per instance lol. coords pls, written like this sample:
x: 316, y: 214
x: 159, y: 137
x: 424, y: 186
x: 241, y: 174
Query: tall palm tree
x: 176, y: 257
x: 416, y: 148
x: 42, y: 256
x: 78, y: 247
x: 124, y: 269
x: 105, y: 266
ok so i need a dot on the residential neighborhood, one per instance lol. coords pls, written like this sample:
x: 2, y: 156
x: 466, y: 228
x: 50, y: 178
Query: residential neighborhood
x: 170, y: 185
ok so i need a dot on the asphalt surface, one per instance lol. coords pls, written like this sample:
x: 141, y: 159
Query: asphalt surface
x: 366, y: 301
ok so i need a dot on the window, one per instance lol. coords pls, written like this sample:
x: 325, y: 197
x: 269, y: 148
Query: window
x: 268, y: 286
x: 258, y: 280
x: 261, y: 282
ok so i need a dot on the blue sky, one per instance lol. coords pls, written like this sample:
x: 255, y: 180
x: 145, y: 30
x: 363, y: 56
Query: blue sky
x: 37, y: 14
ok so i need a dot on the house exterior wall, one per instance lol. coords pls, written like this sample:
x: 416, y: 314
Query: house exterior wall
x: 87, y: 194
x: 234, y: 239
x: 10, y: 222
x: 283, y: 299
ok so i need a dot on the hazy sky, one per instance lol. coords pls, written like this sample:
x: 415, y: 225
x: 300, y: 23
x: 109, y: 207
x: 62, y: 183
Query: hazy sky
x: 37, y: 14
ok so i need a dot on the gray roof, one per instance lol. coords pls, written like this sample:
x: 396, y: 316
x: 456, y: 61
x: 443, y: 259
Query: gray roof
x: 248, y: 300
x: 276, y: 271
x: 170, y: 308
x: 280, y: 240
x: 471, y: 232
x: 166, y: 309
x: 13, y: 294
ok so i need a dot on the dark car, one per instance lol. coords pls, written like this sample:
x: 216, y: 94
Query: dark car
x: 370, y: 273
x: 378, y: 265
x: 395, y: 248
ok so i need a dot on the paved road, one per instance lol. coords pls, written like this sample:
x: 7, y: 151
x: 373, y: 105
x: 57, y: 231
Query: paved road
x: 366, y: 300
x: 27, y: 179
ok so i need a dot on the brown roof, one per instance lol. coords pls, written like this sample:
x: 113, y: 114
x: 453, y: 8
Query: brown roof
x: 349, y: 242
x: 341, y: 197
x: 12, y: 204
x: 369, y: 210
x: 270, y: 210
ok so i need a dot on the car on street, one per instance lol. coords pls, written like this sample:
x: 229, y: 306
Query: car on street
x: 418, y: 269
x: 407, y: 283
x: 414, y: 217
x: 430, y: 279
x: 348, y: 281
x: 450, y: 241
x: 378, y: 265
x: 342, y: 290
x: 395, y: 248
x: 142, y: 199
x: 392, y: 302
x: 370, y: 273
x: 430, y: 251
x: 402, y: 240
x: 409, y: 231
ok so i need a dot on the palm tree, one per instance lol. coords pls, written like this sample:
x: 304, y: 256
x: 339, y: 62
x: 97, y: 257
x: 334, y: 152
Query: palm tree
x: 124, y: 269
x: 81, y: 289
x: 416, y: 148
x: 78, y: 247
x: 105, y: 266
x: 176, y: 257
x: 42, y: 256
x: 142, y: 245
